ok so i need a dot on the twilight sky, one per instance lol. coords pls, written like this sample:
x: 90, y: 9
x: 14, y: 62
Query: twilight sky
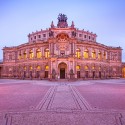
x: 106, y: 18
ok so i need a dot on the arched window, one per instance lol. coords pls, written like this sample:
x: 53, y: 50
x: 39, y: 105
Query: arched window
x: 38, y: 53
x: 47, y: 67
x: 93, y: 54
x: 31, y: 68
x: 93, y: 67
x: 86, y: 54
x: 24, y: 55
x: 19, y: 57
x: 31, y: 54
x: 99, y: 68
x: 86, y: 72
x: 46, y: 71
x: 78, y: 71
x: 24, y: 67
x: 104, y: 55
x: 38, y: 67
x: 47, y: 53
x: 86, y: 68
x: 77, y: 67
x: 99, y: 55
x: 78, y: 53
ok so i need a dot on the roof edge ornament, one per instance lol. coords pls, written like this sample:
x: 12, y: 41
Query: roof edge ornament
x: 62, y: 21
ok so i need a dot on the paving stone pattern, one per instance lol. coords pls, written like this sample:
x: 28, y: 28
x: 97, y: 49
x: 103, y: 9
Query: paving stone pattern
x: 62, y: 105
x: 52, y: 118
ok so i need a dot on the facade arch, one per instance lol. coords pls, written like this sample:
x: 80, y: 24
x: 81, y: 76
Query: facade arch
x: 47, y: 53
x: 31, y: 54
x: 46, y: 71
x: 62, y: 69
x: 38, y: 68
x: 99, y: 55
x: 86, y: 71
x: 24, y: 54
x: 78, y: 53
x: 93, y: 54
x: 38, y: 53
x: 86, y: 53
x: 78, y: 67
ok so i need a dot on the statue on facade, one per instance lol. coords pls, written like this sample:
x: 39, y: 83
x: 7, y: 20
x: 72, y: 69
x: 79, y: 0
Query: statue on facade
x: 53, y: 74
x: 62, y: 18
x: 72, y: 25
x: 51, y: 34
x: 52, y: 25
x: 71, y: 74
x: 62, y: 21
x: 73, y: 34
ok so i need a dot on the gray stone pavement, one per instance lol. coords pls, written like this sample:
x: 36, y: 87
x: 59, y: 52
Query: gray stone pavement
x: 62, y: 104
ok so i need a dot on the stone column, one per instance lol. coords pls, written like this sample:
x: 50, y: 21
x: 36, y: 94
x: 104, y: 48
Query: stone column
x: 34, y: 52
x: 90, y: 53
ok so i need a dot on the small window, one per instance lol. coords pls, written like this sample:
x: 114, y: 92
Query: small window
x: 84, y: 36
x: 39, y: 36
x: 62, y: 52
x: 31, y: 38
x: 44, y: 35
x: 89, y: 37
x: 80, y: 35
x: 34, y: 37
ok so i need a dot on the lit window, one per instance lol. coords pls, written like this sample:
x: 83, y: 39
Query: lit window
x: 99, y: 55
x: 93, y: 67
x: 47, y: 68
x: 31, y: 67
x: 93, y: 54
x: 38, y: 53
x: 99, y: 67
x: 24, y: 55
x: 104, y: 55
x: 38, y: 67
x: 24, y: 68
x: 31, y: 54
x: 19, y: 57
x: 86, y: 54
x: 86, y: 68
x: 77, y: 67
x: 47, y: 53
x: 78, y: 53
x: 123, y: 72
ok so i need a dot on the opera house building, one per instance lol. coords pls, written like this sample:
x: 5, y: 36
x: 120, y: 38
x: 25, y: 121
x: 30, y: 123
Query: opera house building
x: 62, y: 52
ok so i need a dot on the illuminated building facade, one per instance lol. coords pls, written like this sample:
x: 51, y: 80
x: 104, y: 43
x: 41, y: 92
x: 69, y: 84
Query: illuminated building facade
x: 62, y: 52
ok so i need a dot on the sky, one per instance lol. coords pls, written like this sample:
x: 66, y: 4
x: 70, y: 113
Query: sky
x: 106, y: 18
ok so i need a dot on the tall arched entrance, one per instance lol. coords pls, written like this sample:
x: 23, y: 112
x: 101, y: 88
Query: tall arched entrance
x: 62, y: 67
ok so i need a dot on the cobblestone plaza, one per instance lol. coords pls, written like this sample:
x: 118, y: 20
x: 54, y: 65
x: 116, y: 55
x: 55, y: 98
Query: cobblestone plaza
x: 36, y: 102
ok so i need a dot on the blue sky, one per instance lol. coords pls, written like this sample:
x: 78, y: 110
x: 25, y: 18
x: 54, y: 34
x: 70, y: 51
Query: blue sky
x: 106, y: 18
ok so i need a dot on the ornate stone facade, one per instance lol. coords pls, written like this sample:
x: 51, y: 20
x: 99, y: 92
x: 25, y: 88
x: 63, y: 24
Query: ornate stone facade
x: 62, y: 52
